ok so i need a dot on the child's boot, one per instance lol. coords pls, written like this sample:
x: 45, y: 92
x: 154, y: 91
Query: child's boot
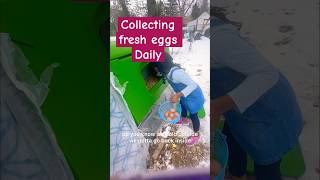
x: 193, y: 139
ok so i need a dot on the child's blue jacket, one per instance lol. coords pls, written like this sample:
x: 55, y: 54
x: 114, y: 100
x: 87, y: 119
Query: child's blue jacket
x: 270, y: 127
x: 194, y: 101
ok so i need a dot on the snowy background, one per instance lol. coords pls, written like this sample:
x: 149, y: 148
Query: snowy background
x: 286, y: 32
x: 196, y: 62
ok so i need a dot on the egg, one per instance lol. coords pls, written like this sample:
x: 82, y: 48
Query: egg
x: 172, y: 110
x: 169, y: 118
x: 171, y: 115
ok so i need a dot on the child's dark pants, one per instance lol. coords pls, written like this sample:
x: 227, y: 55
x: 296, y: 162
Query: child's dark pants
x: 194, y: 118
x: 237, y: 163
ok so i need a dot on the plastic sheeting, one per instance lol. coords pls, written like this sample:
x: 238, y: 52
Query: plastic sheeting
x: 129, y: 150
x: 28, y: 146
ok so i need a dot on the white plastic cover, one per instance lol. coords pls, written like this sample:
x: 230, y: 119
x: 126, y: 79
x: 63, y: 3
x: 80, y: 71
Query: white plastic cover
x: 28, y: 148
x: 128, y: 147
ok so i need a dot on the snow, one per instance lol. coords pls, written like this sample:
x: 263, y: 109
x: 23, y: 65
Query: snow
x: 196, y: 62
x: 287, y: 33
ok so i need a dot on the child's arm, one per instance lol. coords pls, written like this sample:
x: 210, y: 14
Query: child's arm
x: 179, y: 76
x: 175, y: 98
x: 220, y: 106
x: 216, y: 167
x: 230, y: 50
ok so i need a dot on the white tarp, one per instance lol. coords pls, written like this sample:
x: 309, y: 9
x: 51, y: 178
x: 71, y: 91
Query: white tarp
x: 128, y: 147
x: 28, y: 146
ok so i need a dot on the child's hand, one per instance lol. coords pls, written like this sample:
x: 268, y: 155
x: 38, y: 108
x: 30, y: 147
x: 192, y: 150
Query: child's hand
x: 216, y: 167
x: 175, y: 98
x: 215, y: 116
x: 220, y: 106
x: 216, y: 119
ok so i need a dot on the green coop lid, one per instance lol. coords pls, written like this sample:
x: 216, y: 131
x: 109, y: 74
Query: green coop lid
x: 118, y: 52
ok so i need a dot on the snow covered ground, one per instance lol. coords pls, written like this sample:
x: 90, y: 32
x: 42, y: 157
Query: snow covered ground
x: 167, y: 156
x: 196, y: 62
x: 287, y: 33
x: 195, y: 59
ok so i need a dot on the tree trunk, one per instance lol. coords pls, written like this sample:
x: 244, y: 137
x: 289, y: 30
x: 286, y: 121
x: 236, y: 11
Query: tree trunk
x: 125, y: 11
x: 152, y: 7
